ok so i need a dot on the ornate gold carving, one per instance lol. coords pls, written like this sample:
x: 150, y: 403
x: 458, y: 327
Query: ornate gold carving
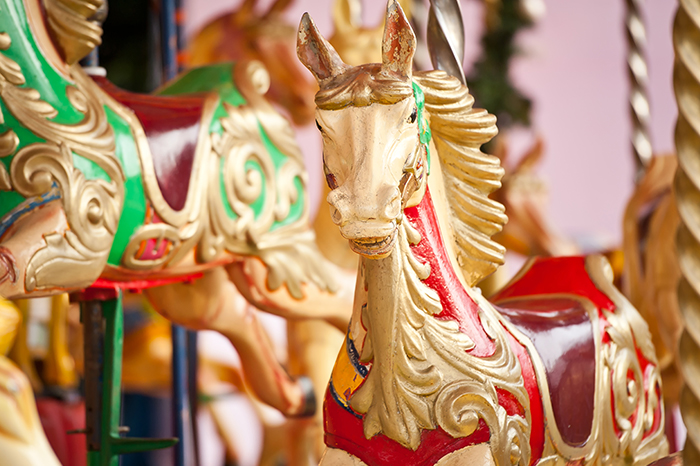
x: 92, y: 207
x: 92, y: 210
x: 75, y: 24
x: 421, y: 375
x: 686, y: 83
x: 631, y: 432
x: 470, y: 175
x: 204, y: 225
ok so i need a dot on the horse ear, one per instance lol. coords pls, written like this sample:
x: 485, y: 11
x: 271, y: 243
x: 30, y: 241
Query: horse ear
x: 345, y: 15
x: 246, y: 9
x: 278, y: 8
x: 316, y: 53
x: 399, y: 43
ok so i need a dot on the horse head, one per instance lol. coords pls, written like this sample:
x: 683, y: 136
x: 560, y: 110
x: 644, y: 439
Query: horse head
x: 245, y: 34
x: 374, y: 154
x: 355, y: 43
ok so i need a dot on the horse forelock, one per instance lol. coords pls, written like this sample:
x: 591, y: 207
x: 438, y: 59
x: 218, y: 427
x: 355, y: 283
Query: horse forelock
x: 361, y: 86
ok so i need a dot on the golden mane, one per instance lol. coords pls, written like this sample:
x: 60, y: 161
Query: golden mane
x: 459, y: 131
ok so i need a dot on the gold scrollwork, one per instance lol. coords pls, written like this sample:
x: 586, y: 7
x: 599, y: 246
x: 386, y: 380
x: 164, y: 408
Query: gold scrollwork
x: 623, y: 430
x: 92, y: 207
x: 422, y: 376
x: 203, y: 227
x: 75, y: 24
x: 154, y: 236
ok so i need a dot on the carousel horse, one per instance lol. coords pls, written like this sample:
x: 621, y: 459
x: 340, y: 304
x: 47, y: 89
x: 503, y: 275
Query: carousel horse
x: 651, y: 270
x: 22, y: 439
x: 107, y: 189
x: 267, y: 37
x: 558, y: 369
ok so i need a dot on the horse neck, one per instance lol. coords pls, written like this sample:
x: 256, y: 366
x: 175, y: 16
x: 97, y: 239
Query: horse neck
x: 421, y: 331
x: 416, y: 282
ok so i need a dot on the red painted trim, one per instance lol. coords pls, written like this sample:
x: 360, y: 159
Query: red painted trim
x: 457, y: 305
x: 103, y: 289
x: 381, y: 450
x: 556, y: 275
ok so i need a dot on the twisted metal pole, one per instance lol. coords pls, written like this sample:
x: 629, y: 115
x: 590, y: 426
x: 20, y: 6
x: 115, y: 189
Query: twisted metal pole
x: 446, y: 37
x: 638, y: 78
x: 686, y: 83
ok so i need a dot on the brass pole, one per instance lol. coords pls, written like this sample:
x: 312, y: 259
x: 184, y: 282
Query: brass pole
x: 638, y: 79
x: 686, y: 83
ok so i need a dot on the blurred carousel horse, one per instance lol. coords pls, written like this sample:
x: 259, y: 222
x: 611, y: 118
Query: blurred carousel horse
x: 651, y: 271
x: 22, y: 439
x: 102, y: 187
x: 558, y: 369
x: 247, y: 35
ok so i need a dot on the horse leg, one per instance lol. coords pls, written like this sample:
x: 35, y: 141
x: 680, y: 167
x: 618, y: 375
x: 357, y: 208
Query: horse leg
x: 250, y: 276
x: 59, y: 366
x: 313, y: 348
x: 210, y: 303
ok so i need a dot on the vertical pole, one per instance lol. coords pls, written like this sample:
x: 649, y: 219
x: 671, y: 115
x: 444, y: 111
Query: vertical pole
x: 191, y: 362
x: 638, y: 79
x: 168, y: 38
x: 446, y: 37
x: 686, y: 83
x: 93, y: 339
x: 181, y: 402
x: 103, y: 327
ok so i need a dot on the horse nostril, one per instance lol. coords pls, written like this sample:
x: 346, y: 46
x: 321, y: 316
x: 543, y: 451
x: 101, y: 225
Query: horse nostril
x: 335, y: 216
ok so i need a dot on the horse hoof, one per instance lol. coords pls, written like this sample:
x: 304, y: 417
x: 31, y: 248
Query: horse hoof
x: 308, y: 407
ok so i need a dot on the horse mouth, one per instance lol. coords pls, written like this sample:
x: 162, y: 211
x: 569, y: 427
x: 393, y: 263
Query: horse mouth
x: 374, y: 247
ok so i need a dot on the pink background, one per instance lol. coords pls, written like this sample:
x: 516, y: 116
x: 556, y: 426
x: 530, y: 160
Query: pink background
x: 574, y: 70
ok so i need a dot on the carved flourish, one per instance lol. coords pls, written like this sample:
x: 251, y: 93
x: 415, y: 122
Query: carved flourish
x: 239, y: 161
x: 75, y: 24
x: 421, y: 375
x: 91, y: 206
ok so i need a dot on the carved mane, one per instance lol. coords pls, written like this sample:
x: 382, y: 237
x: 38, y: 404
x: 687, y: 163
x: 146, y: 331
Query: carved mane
x: 470, y: 175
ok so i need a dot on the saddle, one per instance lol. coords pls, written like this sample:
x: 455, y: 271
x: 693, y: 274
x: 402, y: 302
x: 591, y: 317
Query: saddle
x: 171, y: 124
x: 550, y: 302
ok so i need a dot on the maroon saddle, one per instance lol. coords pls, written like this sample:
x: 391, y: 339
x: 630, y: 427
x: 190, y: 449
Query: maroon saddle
x: 546, y: 304
x: 172, y: 125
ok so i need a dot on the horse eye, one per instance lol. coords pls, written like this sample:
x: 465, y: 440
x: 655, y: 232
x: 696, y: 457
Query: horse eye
x: 318, y: 126
x: 332, y: 182
x: 330, y: 177
x: 414, y: 115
